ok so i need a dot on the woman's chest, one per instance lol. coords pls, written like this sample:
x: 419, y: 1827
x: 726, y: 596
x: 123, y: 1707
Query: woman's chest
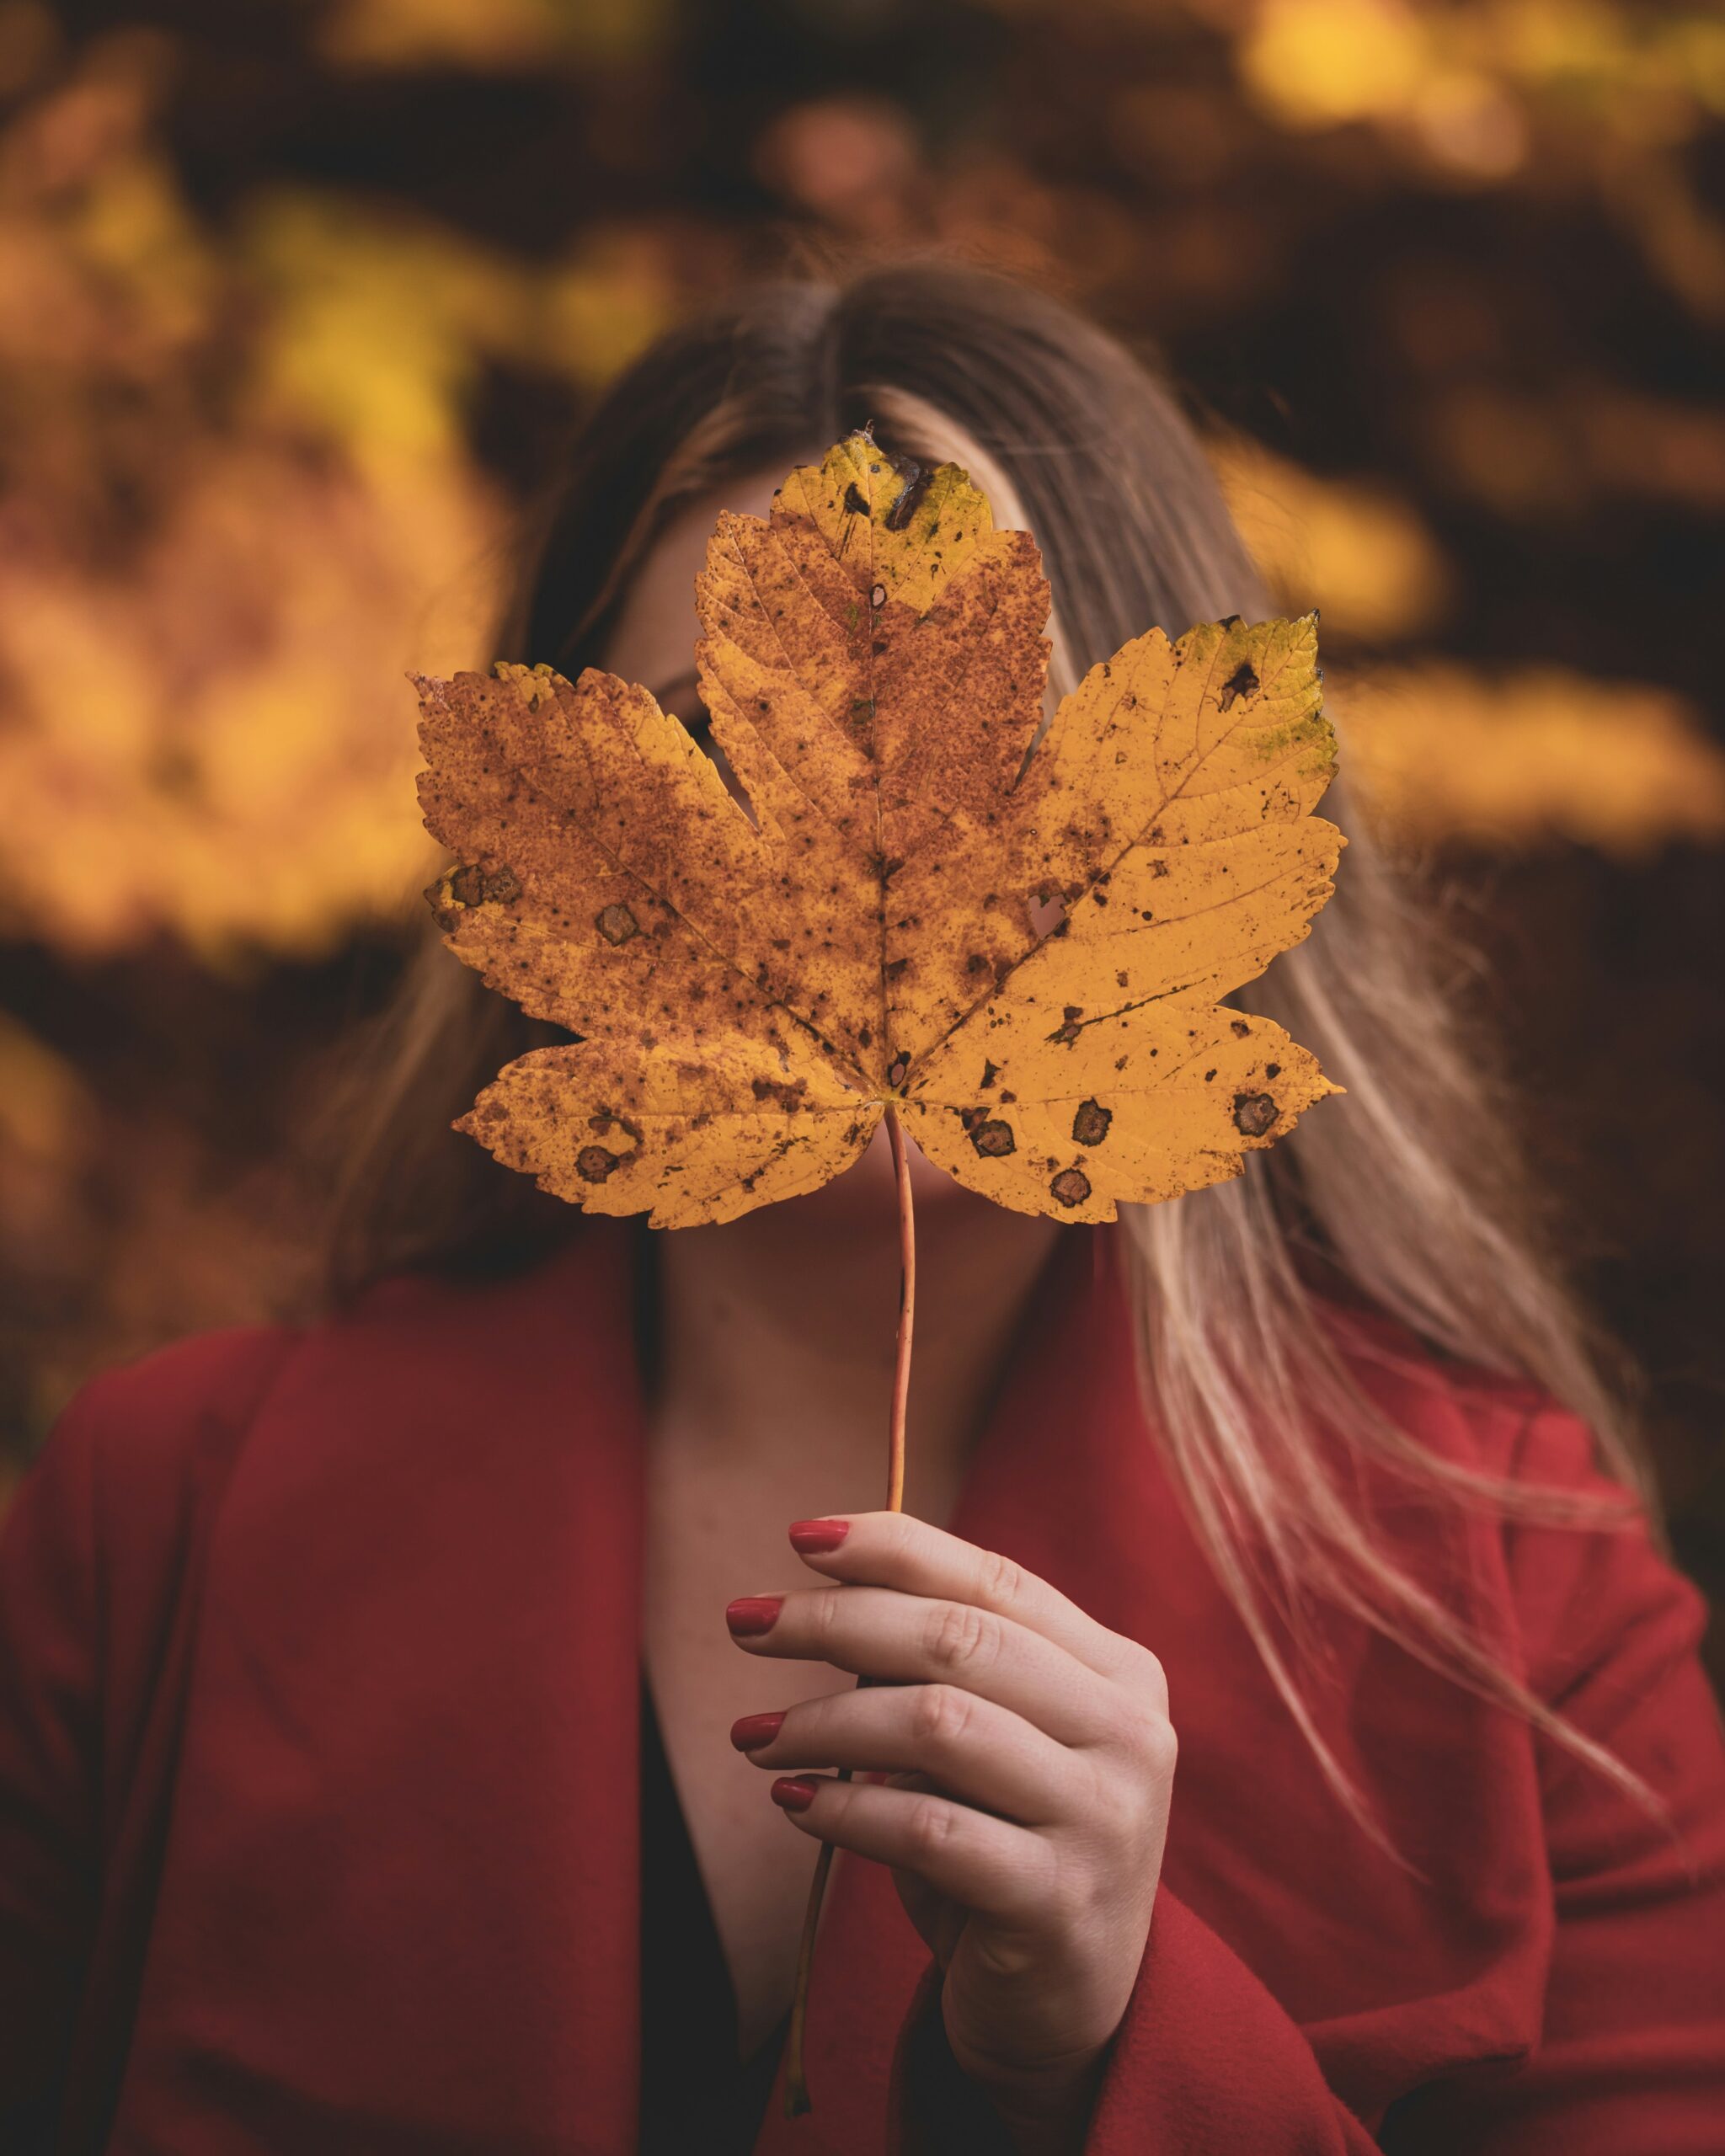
x: 706, y: 1541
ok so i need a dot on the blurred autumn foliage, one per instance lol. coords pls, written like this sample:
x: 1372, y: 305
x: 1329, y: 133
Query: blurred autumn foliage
x: 296, y: 299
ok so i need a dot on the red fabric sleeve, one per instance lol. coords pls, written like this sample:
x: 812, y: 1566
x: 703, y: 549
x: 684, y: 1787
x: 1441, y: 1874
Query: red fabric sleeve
x: 1205, y: 2063
x: 1632, y: 2057
x: 96, y: 1550
x: 1633, y: 2052
x: 49, y: 1765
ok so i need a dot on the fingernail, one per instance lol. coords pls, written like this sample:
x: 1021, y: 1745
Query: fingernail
x: 752, y: 1613
x: 795, y: 1792
x: 812, y: 1538
x: 749, y: 1732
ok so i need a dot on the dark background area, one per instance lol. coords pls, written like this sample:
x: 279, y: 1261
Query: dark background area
x: 296, y: 301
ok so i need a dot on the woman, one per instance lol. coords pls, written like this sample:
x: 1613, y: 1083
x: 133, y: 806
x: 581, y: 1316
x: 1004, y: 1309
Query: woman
x: 418, y: 1731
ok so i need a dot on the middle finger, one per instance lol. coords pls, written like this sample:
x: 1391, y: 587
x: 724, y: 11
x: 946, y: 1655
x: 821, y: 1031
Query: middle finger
x: 877, y: 1631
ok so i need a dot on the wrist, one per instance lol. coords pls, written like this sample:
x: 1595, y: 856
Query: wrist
x: 1047, y: 2116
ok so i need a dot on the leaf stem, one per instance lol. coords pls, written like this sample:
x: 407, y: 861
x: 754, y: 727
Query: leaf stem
x: 907, y: 1313
x: 796, y: 2097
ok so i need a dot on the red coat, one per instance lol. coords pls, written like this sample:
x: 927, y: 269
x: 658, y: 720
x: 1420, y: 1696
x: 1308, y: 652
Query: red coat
x: 318, y: 1817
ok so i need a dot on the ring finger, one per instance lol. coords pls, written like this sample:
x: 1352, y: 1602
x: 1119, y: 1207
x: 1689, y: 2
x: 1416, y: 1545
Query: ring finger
x: 971, y: 1747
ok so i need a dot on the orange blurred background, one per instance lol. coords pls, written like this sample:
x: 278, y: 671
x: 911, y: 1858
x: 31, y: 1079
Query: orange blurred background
x: 297, y: 299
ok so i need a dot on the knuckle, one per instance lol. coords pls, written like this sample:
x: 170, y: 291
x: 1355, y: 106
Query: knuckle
x: 1002, y: 1578
x: 929, y: 1828
x: 1142, y: 1672
x: 962, y: 1637
x: 824, y: 1620
x: 1154, y: 1679
x: 1152, y: 1748
x: 940, y: 1715
x: 901, y: 1533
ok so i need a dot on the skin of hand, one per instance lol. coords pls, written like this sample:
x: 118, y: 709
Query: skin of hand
x: 1026, y: 1761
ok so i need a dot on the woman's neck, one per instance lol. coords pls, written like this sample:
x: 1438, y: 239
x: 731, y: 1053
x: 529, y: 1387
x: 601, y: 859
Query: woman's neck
x: 776, y: 1335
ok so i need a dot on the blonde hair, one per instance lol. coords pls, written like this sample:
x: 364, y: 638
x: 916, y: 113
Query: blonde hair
x: 1406, y: 1186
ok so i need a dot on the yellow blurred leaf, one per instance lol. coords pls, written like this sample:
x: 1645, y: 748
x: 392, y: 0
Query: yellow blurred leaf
x: 1351, y: 548
x: 219, y: 740
x: 1315, y: 63
x: 1440, y: 753
x: 915, y: 901
x: 1461, y: 83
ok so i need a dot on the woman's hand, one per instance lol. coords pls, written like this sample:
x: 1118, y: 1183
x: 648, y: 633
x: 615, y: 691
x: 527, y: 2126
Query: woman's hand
x: 1029, y: 1759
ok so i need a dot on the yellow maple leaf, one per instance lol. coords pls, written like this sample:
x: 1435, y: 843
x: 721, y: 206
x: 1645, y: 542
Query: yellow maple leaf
x: 1016, y: 943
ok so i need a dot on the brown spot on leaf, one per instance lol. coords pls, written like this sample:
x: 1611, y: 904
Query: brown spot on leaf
x: 994, y: 1140
x: 616, y: 924
x: 789, y: 1096
x: 594, y: 1163
x: 1254, y: 1113
x: 1070, y: 1186
x: 877, y: 598
x: 467, y: 887
x: 854, y: 501
x: 1242, y: 682
x: 1090, y: 1125
x: 1239, y: 1028
x: 990, y: 1071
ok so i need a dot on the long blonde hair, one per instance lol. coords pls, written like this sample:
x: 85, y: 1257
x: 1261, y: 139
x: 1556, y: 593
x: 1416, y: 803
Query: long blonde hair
x: 1407, y: 1185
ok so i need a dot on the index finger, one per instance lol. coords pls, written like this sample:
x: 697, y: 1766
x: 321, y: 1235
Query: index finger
x: 895, y: 1550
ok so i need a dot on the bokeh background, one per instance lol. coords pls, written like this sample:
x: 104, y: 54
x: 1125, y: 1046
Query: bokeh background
x: 297, y: 300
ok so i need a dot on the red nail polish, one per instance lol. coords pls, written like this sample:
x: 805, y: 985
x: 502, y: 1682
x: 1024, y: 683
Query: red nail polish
x: 749, y: 1732
x: 812, y: 1537
x: 750, y: 1614
x: 795, y: 1792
